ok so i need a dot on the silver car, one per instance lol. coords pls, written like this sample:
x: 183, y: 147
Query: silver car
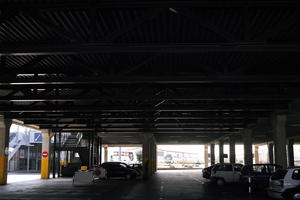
x: 282, y: 181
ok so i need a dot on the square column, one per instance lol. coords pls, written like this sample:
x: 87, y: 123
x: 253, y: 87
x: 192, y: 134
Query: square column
x: 232, y: 149
x: 271, y: 152
x: 4, y: 143
x: 291, y: 152
x: 45, y: 161
x: 155, y: 157
x: 279, y: 137
x: 105, y: 153
x: 206, y: 155
x: 212, y: 154
x: 248, y: 156
x: 221, y: 151
x: 147, y: 139
x: 256, y: 154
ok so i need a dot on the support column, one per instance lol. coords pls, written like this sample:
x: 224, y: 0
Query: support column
x: 212, y: 154
x: 105, y: 153
x: 4, y: 142
x: 151, y: 157
x: 147, y: 138
x: 279, y: 136
x: 206, y: 155
x: 232, y: 149
x: 58, y: 155
x: 221, y: 151
x: 45, y: 161
x: 291, y: 152
x: 93, y: 152
x: 155, y: 157
x: 248, y: 156
x: 271, y: 153
x: 100, y: 151
x: 256, y: 154
x: 54, y: 157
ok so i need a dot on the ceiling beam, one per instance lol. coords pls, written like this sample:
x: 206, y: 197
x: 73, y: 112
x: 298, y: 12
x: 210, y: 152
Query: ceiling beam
x: 220, y: 95
x: 103, y: 109
x: 41, y: 81
x: 104, y: 4
x: 140, y: 48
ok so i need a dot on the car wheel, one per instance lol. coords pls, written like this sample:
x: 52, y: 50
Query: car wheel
x: 220, y: 182
x: 296, y: 196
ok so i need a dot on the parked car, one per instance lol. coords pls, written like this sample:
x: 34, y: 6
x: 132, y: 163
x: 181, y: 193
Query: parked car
x: 206, y: 172
x: 119, y: 169
x: 259, y: 174
x: 226, y: 173
x: 284, y: 181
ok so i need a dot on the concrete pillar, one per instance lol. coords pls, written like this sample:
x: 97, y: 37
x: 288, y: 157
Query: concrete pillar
x: 256, y: 154
x: 271, y: 153
x: 4, y: 142
x: 105, y: 153
x: 150, y: 157
x: 148, y: 154
x: 291, y: 152
x: 212, y: 154
x: 232, y: 149
x: 155, y: 157
x: 206, y: 155
x: 45, y: 161
x: 221, y: 151
x: 279, y: 137
x: 247, y: 137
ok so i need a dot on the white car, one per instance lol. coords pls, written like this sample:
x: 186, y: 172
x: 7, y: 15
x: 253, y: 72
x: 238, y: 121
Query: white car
x: 226, y: 173
x: 282, y: 181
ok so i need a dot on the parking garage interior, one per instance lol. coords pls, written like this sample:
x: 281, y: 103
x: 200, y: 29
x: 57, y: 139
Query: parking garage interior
x: 92, y: 75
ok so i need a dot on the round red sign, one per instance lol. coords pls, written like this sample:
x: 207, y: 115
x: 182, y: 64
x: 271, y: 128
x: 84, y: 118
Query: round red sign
x: 45, y: 154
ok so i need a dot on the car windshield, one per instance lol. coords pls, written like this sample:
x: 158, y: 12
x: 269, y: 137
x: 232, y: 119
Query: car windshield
x: 238, y: 167
x: 123, y: 165
x: 260, y: 169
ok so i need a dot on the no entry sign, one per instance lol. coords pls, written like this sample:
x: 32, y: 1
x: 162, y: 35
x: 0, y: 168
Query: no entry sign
x: 45, y: 154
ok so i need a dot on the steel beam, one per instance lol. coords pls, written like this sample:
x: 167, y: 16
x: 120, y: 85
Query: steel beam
x: 135, y: 48
x: 40, y: 81
x: 104, y: 4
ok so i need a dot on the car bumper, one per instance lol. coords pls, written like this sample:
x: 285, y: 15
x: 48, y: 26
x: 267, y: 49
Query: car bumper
x: 274, y: 194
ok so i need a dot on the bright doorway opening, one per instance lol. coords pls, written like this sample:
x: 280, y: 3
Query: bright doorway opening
x: 180, y: 156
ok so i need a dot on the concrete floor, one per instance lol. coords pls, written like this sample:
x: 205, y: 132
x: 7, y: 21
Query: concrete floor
x: 22, y: 177
x: 164, y: 185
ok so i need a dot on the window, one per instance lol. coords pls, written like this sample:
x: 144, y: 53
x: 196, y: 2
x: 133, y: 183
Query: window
x: 123, y: 165
x: 225, y: 168
x: 260, y: 169
x: 279, y: 174
x: 237, y: 168
x: 296, y: 174
x: 272, y: 168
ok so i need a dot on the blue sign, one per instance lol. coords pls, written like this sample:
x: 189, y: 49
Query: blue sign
x: 38, y: 138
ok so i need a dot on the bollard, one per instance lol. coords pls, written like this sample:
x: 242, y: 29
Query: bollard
x: 249, y: 185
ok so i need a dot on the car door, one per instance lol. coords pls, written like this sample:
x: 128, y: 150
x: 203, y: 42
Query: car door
x: 225, y: 171
x: 236, y: 173
x: 293, y: 179
x: 122, y: 170
x: 109, y: 169
x: 114, y: 169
